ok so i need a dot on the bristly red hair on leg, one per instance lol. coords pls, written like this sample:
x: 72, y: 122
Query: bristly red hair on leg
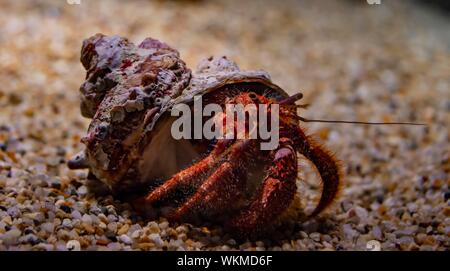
x: 328, y: 167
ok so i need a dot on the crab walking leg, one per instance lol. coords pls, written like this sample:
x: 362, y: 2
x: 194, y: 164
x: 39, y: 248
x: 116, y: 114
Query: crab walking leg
x: 189, y: 176
x: 223, y: 186
x: 275, y: 194
x: 327, y: 166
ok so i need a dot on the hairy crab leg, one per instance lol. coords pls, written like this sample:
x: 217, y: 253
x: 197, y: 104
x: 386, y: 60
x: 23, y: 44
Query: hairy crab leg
x: 222, y: 187
x: 327, y: 166
x: 273, y: 196
x: 190, y: 176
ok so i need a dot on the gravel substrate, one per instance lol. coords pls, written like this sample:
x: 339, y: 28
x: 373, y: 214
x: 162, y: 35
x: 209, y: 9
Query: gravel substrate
x: 352, y: 61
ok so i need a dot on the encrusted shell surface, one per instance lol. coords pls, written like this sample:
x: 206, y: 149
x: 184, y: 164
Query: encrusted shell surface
x: 215, y: 72
x: 129, y: 88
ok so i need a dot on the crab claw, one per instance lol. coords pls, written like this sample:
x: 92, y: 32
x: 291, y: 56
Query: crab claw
x: 78, y: 161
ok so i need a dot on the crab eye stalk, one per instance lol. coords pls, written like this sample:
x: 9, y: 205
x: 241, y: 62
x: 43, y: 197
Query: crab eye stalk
x: 253, y: 96
x: 292, y: 99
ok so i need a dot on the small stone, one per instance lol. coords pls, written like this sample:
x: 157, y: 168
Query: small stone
x: 112, y: 227
x: 88, y: 228
x: 231, y: 242
x: 39, y: 217
x: 430, y: 240
x: 82, y: 190
x: 59, y: 202
x: 103, y: 218
x: 447, y: 195
x: 95, y: 210
x: 146, y: 246
x: 125, y: 239
x: 111, y: 236
x: 315, y: 236
x: 29, y: 239
x: 286, y: 246
x: 11, y: 237
x: 7, y: 220
x: 114, y: 246
x: 349, y: 232
x: 447, y: 231
x: 55, y: 185
x: 48, y: 227
x: 67, y: 223
x: 388, y: 226
x: 134, y: 227
x: 153, y: 227
x: 95, y: 219
x: 245, y: 245
x: 215, y: 239
x: 405, y: 240
x: 73, y: 245
x: 164, y: 225
x: 61, y: 246
x: 181, y: 229
x: 404, y: 232
x: 14, y: 212
x: 124, y: 229
x: 111, y: 210
x: 112, y: 218
x: 276, y: 248
x: 326, y: 238
x: 420, y: 238
x: 406, y: 216
x: 46, y: 247
x: 182, y: 236
x: 362, y: 214
x: 412, y: 207
x: 136, y: 234
x: 101, y: 242
x: 427, y: 248
x: 86, y: 219
x: 63, y: 234
x: 377, y: 233
x: 66, y: 209
x: 76, y: 214
x: 156, y: 239
x: 346, y: 205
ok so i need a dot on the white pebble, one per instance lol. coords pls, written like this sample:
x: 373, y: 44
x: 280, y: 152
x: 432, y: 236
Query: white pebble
x: 114, y: 246
x: 76, y: 214
x: 156, y: 239
x: 67, y: 223
x: 11, y: 237
x: 136, y: 234
x: 125, y: 239
x: 82, y: 190
x: 48, y: 227
x: 112, y: 226
x: 86, y: 219
x: 164, y: 225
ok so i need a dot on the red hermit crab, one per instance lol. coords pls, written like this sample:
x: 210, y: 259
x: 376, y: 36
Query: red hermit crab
x: 129, y: 92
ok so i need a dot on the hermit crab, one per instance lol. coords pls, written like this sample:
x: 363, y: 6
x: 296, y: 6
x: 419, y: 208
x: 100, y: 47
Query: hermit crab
x: 129, y: 93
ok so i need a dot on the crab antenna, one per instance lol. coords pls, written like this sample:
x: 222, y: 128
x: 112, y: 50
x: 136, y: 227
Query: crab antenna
x: 361, y: 122
x: 292, y: 99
